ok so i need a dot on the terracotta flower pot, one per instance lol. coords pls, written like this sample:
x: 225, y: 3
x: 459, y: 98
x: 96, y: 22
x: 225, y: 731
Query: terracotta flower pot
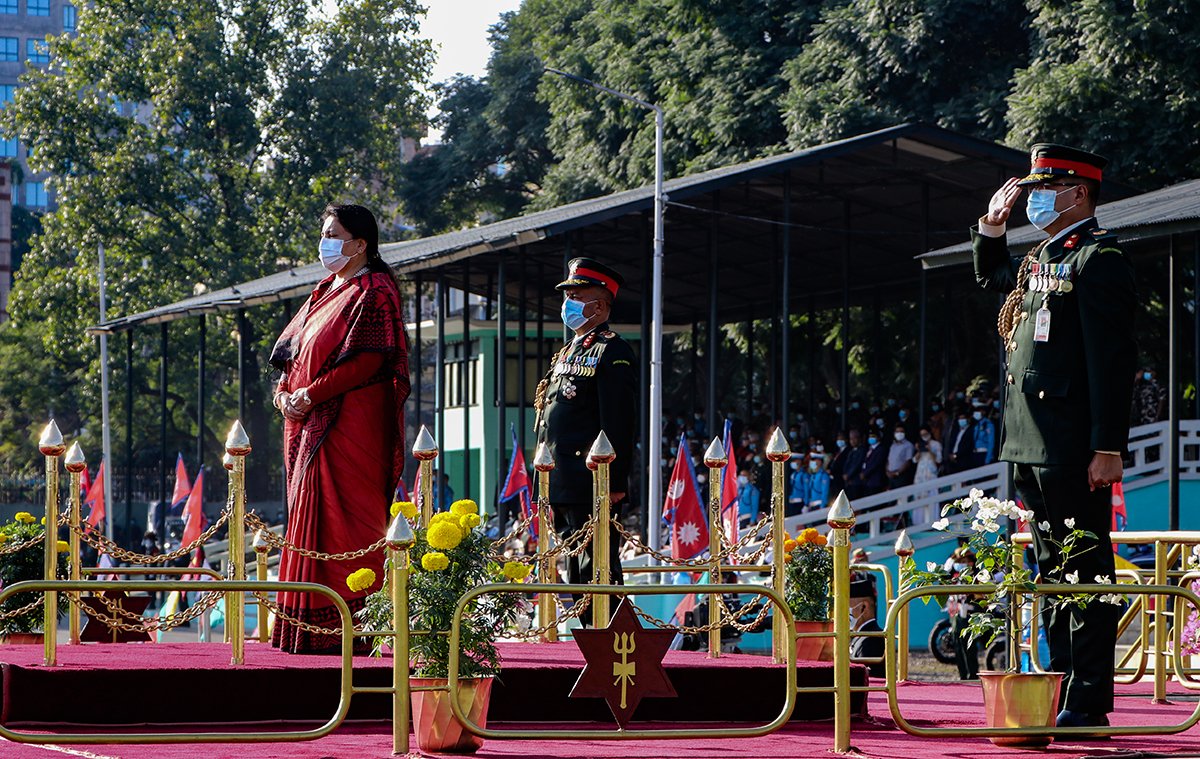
x: 34, y: 638
x: 1021, y: 699
x: 814, y: 649
x: 434, y: 723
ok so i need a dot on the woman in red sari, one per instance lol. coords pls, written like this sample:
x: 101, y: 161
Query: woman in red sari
x: 344, y: 359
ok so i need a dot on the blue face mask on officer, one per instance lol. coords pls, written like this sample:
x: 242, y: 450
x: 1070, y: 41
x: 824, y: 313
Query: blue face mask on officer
x: 572, y: 312
x: 1039, y: 207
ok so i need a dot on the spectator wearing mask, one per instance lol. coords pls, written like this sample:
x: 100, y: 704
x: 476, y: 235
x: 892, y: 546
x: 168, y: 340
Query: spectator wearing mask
x: 874, y: 468
x: 937, y: 420
x: 928, y: 458
x: 1149, y: 399
x: 899, y: 458
x: 856, y: 416
x: 749, y: 497
x: 960, y: 444
x: 837, y: 464
x: 856, y: 454
x: 795, y: 502
x: 904, y: 417
x: 984, y: 447
x: 815, y: 484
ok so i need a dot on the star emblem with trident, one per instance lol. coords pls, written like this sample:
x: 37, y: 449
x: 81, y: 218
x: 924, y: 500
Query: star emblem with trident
x: 624, y: 644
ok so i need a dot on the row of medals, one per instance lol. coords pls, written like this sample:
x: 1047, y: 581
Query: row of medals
x: 573, y: 369
x: 1050, y: 278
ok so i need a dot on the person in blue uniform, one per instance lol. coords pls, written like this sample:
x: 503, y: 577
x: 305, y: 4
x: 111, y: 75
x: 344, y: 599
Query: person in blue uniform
x: 591, y: 386
x: 1067, y: 326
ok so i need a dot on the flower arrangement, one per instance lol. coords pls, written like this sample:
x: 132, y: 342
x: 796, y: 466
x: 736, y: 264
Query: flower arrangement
x: 808, y: 571
x: 450, y: 557
x: 19, y: 564
x: 994, y: 562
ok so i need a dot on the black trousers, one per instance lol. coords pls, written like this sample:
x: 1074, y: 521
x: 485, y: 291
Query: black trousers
x: 1082, y: 641
x: 568, y: 519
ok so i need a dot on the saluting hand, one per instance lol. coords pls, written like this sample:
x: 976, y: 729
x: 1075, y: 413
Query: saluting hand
x: 1001, y: 204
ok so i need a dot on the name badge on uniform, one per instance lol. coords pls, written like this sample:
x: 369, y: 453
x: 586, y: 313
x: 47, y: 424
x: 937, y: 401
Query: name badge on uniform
x: 1041, y: 327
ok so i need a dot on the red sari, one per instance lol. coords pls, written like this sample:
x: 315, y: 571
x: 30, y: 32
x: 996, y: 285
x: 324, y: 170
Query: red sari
x: 347, y: 345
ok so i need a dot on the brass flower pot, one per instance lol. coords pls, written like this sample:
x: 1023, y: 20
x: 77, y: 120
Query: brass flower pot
x: 1021, y: 699
x: 814, y: 649
x: 434, y: 723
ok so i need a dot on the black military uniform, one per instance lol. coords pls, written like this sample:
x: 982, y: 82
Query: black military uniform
x: 1071, y: 358
x: 591, y: 386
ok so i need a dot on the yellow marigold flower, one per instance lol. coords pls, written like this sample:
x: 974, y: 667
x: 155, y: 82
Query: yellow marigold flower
x: 24, y: 516
x: 811, y: 534
x: 407, y: 508
x: 465, y: 506
x: 789, y: 545
x: 442, y: 516
x: 43, y: 520
x: 820, y: 540
x: 435, y: 561
x: 63, y: 546
x: 469, y: 522
x: 3, y: 538
x: 515, y: 570
x: 361, y: 579
x: 444, y: 535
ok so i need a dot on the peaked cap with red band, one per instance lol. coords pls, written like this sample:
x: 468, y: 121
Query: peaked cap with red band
x: 1049, y: 162
x: 582, y: 272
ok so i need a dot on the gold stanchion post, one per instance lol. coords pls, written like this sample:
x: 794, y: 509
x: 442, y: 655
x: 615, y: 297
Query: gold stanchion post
x: 841, y: 520
x: 75, y: 463
x: 904, y: 551
x: 600, y: 456
x: 1161, y: 561
x: 261, y: 549
x: 399, y: 540
x: 425, y: 450
x: 52, y: 447
x: 715, y: 460
x: 237, y: 445
x: 778, y: 452
x: 543, y: 462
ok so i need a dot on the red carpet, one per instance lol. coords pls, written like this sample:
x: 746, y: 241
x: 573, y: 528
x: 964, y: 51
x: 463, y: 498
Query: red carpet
x: 158, y: 684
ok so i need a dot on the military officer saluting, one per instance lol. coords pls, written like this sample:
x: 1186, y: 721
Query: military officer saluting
x: 591, y: 386
x: 1067, y: 326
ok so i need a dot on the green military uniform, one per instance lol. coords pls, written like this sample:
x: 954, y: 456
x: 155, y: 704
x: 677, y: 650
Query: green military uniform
x: 591, y: 385
x: 1071, y: 359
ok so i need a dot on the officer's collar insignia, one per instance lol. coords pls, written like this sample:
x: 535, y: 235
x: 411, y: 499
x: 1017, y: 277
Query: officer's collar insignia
x: 1097, y: 232
x: 1070, y: 243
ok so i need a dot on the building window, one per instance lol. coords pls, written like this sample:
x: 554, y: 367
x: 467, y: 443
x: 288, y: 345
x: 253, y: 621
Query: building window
x: 37, y: 7
x: 70, y: 17
x: 6, y: 93
x: 35, y: 194
x: 8, y: 148
x: 8, y: 6
x: 8, y: 49
x: 36, y: 51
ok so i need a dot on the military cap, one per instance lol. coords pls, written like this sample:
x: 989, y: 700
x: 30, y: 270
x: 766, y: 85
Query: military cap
x: 582, y: 272
x: 862, y: 589
x: 1049, y: 162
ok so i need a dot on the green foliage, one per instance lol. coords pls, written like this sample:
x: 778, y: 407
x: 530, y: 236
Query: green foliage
x: 24, y: 564
x: 433, y: 596
x: 876, y: 63
x: 198, y: 141
x: 1120, y: 77
x: 807, y: 574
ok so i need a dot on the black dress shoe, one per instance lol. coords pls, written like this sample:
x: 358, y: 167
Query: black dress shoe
x: 1068, y: 718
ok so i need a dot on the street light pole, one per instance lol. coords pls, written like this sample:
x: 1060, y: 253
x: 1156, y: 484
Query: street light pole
x: 650, y: 436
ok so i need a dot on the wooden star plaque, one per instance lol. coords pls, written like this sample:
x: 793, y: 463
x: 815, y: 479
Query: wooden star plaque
x: 624, y: 663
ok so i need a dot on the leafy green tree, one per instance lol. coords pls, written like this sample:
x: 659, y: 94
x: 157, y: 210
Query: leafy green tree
x: 877, y: 63
x: 198, y: 140
x: 1120, y: 77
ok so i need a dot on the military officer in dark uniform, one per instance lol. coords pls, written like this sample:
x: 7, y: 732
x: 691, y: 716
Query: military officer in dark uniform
x: 591, y: 386
x: 1067, y: 326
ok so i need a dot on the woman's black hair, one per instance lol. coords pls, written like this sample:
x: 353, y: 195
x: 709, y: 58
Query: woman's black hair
x: 361, y: 224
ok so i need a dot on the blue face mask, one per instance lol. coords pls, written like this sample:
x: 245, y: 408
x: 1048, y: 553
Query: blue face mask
x: 962, y: 422
x: 903, y: 415
x: 331, y: 254
x: 1146, y: 376
x: 1039, y: 207
x: 572, y: 313
x: 872, y: 440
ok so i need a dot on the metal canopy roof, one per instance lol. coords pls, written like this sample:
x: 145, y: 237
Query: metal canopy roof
x: 872, y: 202
x: 1170, y: 210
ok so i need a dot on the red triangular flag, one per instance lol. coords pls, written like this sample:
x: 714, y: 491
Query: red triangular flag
x: 182, y: 486
x: 729, y: 491
x: 95, y: 498
x: 193, y: 513
x: 517, y: 484
x: 1120, y: 518
x: 689, y: 531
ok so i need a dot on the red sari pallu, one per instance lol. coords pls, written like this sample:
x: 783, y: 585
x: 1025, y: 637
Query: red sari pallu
x: 347, y: 345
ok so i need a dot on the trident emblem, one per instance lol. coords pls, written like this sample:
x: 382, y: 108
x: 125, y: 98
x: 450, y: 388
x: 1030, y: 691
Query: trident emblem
x: 624, y: 671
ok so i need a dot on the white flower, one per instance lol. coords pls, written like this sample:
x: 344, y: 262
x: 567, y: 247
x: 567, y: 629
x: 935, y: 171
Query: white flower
x: 993, y: 607
x: 1070, y: 523
x: 983, y: 576
x: 1027, y: 515
x: 930, y: 566
x: 1104, y: 579
x: 1112, y: 598
x: 975, y: 494
x: 1072, y: 577
x: 1044, y: 526
x: 992, y: 526
x: 941, y: 524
